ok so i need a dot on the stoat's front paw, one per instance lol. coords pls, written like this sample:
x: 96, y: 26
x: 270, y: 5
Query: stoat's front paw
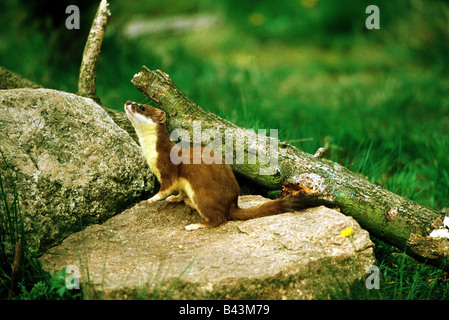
x: 153, y: 200
x: 172, y: 199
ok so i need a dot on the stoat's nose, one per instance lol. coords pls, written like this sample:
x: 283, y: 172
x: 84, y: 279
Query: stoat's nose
x: 128, y: 105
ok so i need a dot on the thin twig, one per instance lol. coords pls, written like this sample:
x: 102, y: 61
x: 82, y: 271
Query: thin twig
x: 91, y: 54
x: 15, y: 270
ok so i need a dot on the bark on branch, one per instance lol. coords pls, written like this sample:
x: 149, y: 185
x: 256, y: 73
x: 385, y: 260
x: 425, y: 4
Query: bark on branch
x: 91, y: 54
x: 88, y: 70
x: 399, y: 221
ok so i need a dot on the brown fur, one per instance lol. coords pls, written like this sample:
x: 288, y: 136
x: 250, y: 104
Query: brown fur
x: 214, y: 189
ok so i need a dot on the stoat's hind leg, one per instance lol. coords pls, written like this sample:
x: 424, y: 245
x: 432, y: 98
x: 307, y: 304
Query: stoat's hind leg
x: 196, y: 226
x: 212, y: 220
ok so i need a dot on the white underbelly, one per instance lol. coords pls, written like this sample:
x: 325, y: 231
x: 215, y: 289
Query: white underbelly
x: 149, y: 152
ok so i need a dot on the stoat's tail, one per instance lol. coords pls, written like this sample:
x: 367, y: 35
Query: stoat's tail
x: 282, y: 205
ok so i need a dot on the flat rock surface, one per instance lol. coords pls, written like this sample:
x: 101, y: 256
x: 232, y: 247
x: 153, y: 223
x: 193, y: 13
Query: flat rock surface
x: 145, y: 252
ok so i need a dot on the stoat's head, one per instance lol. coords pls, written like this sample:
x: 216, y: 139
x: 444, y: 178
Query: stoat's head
x: 143, y: 116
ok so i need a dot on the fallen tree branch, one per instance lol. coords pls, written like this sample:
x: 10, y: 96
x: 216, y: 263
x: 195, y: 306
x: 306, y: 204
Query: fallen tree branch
x: 91, y: 54
x: 398, y: 221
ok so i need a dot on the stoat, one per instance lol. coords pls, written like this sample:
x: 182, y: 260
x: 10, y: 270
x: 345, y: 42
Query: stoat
x: 210, y: 188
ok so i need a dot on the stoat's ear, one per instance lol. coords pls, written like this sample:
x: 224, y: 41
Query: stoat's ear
x: 160, y: 118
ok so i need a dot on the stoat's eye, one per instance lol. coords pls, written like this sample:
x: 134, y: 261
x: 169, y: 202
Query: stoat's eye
x: 141, y: 108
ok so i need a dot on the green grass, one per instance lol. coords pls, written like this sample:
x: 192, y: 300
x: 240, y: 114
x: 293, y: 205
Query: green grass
x: 378, y: 99
x: 33, y: 283
x: 400, y: 278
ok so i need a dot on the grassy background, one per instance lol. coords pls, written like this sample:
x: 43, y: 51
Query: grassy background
x: 379, y: 99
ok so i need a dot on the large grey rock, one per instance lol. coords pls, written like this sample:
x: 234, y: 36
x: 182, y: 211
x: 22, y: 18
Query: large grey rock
x: 145, y: 252
x: 72, y: 165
